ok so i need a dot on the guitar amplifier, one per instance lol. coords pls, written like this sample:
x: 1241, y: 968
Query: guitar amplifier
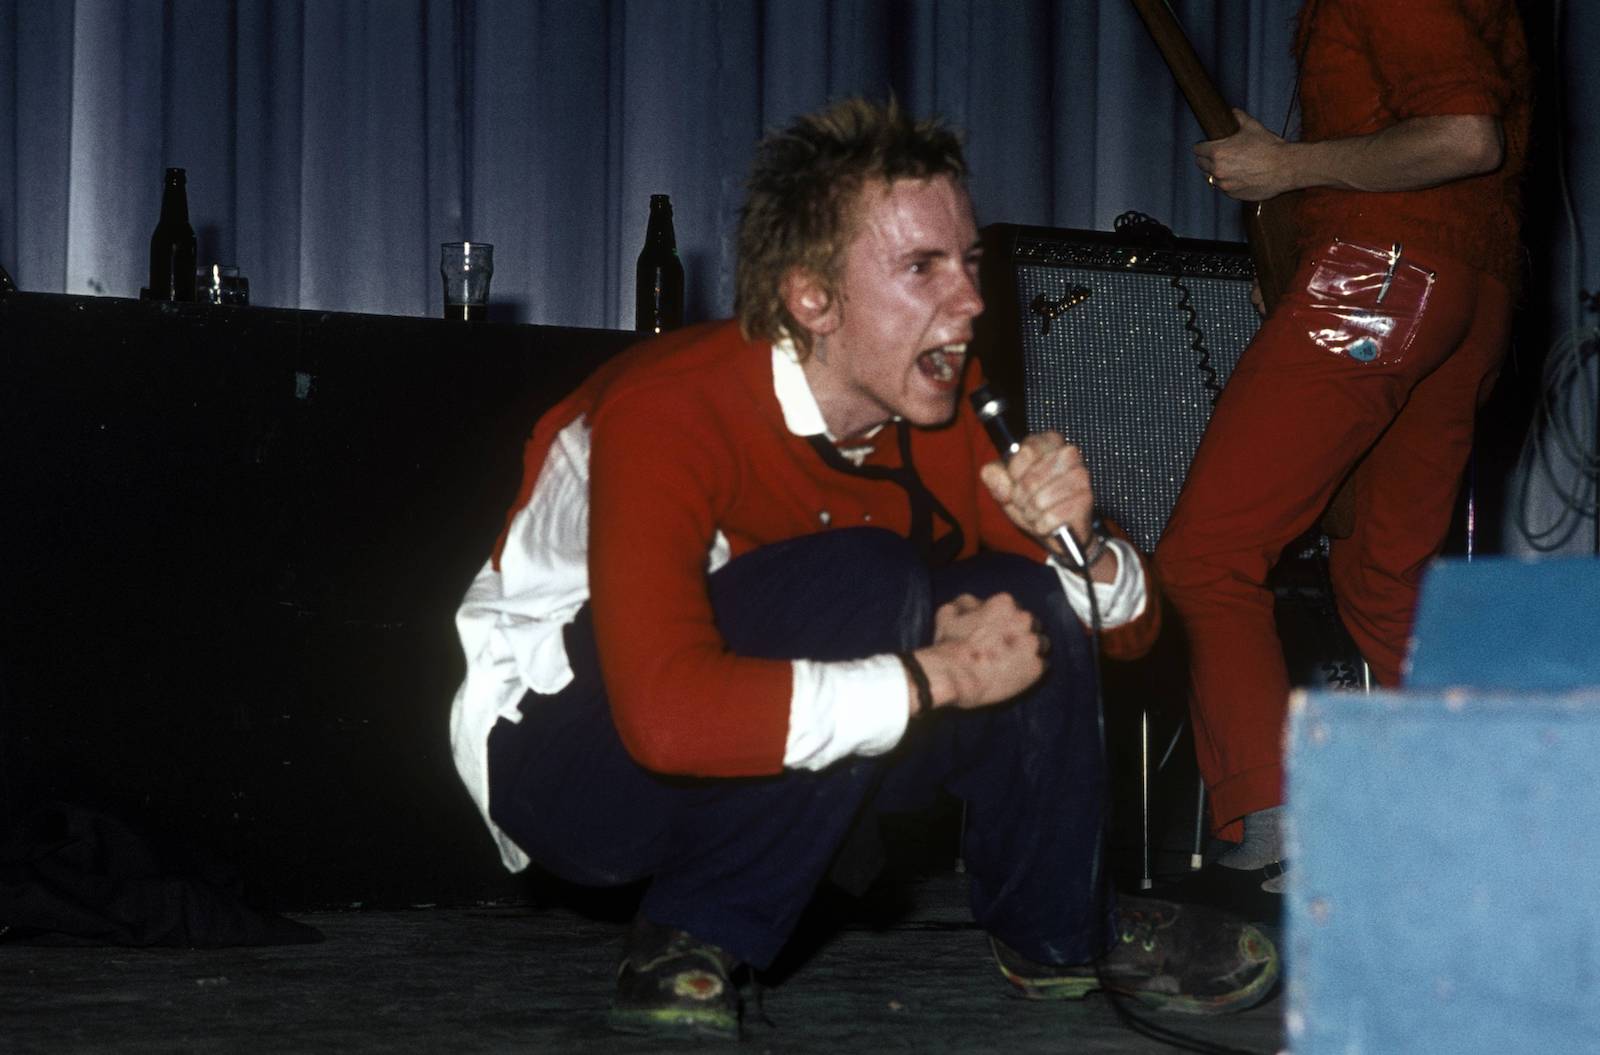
x: 1121, y: 343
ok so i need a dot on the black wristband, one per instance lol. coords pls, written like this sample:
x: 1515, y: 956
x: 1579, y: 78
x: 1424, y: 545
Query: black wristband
x: 919, y: 678
x: 1093, y: 552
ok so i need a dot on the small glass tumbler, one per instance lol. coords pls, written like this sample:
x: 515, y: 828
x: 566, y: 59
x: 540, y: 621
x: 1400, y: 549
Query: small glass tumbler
x: 221, y: 284
x: 466, y: 268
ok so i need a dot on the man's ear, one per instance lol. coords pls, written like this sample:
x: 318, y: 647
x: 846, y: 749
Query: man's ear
x: 809, y: 301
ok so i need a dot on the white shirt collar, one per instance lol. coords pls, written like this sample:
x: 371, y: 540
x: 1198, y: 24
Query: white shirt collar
x: 800, y: 411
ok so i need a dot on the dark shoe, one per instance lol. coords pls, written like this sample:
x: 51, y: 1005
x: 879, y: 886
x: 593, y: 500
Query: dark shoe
x: 1237, y: 890
x: 1174, y: 957
x: 670, y: 982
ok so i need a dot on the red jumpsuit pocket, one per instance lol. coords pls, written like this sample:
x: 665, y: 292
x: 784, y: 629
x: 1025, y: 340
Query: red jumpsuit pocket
x: 1364, y: 304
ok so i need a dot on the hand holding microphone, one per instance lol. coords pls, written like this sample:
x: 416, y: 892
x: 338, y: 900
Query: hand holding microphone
x: 1042, y: 484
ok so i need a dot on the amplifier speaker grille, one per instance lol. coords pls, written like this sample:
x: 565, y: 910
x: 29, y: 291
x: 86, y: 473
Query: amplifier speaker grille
x: 1121, y: 348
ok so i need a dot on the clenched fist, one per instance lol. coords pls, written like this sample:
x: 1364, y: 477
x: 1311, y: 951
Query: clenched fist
x: 983, y: 652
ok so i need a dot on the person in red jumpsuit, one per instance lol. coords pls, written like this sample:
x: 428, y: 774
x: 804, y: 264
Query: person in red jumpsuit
x: 1369, y: 368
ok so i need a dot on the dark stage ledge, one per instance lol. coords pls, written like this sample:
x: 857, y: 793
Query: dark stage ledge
x: 235, y: 538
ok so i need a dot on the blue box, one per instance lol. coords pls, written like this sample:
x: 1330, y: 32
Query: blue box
x: 1444, y: 888
x: 1508, y: 623
x: 1445, y: 851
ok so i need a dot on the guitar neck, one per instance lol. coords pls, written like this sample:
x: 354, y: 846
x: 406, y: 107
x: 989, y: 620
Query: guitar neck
x: 1210, y: 108
x: 1267, y: 224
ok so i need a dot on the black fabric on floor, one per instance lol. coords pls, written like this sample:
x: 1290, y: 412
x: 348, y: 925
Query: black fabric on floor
x: 72, y: 876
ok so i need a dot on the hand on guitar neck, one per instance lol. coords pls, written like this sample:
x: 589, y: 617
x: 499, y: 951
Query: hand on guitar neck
x: 1267, y: 223
x: 1253, y: 164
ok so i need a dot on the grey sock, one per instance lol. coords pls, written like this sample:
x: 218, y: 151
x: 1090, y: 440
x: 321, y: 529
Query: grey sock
x: 1263, y: 841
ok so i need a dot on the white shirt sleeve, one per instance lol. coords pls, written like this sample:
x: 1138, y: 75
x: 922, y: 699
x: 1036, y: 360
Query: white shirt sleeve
x: 854, y: 707
x: 1121, y: 600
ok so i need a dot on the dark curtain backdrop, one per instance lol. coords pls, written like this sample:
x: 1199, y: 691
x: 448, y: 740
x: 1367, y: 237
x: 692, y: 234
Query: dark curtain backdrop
x: 332, y: 144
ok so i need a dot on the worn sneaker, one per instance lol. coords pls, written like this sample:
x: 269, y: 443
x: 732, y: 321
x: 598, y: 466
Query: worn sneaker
x: 1174, y: 957
x: 671, y: 982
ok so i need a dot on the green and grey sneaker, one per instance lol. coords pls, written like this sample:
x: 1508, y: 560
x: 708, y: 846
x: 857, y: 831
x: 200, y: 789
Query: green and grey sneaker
x: 1184, y: 958
x: 670, y: 982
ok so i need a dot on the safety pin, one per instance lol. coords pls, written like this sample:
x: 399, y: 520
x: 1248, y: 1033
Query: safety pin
x: 1388, y: 276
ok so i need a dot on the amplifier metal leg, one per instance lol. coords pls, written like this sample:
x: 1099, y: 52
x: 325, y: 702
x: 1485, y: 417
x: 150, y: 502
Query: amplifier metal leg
x: 1146, y: 880
x: 961, y: 841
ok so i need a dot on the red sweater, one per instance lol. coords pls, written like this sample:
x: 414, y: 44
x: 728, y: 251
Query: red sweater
x: 688, y: 439
x: 1370, y: 64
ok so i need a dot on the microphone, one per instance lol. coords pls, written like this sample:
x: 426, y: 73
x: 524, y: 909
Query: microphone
x: 991, y: 411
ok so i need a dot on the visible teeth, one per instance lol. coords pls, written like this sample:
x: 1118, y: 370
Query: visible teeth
x: 944, y: 369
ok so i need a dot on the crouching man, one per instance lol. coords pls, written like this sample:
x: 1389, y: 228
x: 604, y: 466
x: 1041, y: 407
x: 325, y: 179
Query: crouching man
x: 766, y: 579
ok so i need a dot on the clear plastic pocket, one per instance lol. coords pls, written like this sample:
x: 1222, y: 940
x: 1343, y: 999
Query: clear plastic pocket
x: 1365, y: 303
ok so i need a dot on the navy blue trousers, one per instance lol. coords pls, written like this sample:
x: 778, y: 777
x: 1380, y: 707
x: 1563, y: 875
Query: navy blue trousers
x: 735, y: 861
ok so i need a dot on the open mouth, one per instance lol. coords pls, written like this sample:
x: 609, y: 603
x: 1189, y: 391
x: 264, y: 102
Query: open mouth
x: 943, y: 364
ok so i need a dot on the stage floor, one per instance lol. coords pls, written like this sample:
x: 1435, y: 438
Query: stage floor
x: 902, y: 971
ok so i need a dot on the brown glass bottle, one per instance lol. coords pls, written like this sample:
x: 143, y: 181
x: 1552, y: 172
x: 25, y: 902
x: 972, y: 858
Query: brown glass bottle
x: 658, y: 303
x: 172, y: 253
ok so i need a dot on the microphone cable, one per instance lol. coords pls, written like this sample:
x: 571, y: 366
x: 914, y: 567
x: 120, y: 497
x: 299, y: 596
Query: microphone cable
x: 991, y: 409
